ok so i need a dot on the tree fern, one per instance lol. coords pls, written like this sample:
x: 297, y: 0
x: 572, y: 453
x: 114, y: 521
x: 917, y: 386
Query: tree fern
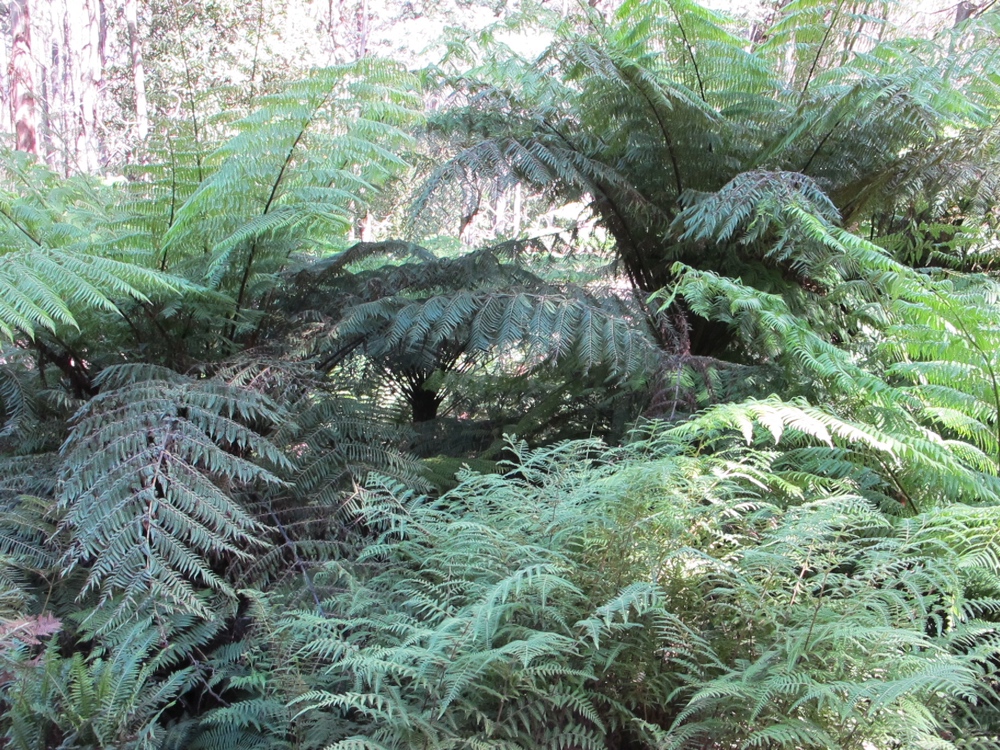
x: 150, y: 468
x: 231, y: 548
x: 57, y: 263
x: 668, y: 103
x: 309, y: 173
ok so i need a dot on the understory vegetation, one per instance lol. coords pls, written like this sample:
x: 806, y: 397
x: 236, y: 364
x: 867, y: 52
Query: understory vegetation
x: 311, y: 439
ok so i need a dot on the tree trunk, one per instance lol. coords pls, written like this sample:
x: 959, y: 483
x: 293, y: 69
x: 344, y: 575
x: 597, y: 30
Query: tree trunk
x: 87, y: 26
x: 57, y: 101
x: 517, y: 210
x: 425, y: 404
x: 47, y: 139
x: 363, y: 22
x: 6, y: 106
x: 68, y: 92
x: 964, y: 11
x: 138, y: 72
x: 22, y: 86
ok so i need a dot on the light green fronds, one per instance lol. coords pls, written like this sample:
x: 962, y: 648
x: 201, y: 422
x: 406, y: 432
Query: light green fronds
x: 57, y: 260
x: 297, y: 171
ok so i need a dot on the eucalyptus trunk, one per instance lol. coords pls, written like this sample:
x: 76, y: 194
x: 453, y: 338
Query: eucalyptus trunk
x: 24, y: 113
x: 138, y: 71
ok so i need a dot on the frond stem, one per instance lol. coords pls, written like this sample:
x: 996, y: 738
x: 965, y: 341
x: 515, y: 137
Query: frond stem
x: 819, y: 147
x: 299, y: 563
x: 267, y: 207
x: 666, y: 137
x: 194, y: 113
x: 690, y: 51
x: 17, y: 225
x: 819, y: 52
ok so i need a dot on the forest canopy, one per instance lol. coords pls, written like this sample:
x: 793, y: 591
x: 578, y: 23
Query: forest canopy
x: 609, y: 376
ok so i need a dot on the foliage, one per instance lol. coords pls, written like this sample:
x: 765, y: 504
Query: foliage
x: 590, y: 598
x: 695, y: 139
x: 234, y: 409
x: 56, y: 263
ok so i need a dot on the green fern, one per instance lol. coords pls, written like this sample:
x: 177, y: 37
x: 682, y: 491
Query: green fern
x: 728, y: 620
x: 57, y: 262
x: 151, y: 467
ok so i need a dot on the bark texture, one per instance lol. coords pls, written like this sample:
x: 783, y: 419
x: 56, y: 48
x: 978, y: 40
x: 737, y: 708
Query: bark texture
x: 24, y: 112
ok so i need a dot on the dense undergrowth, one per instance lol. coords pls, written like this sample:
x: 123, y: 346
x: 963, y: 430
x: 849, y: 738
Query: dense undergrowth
x: 715, y: 466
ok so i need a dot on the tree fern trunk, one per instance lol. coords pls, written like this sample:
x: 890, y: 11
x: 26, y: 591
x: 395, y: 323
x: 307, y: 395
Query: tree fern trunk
x: 425, y: 404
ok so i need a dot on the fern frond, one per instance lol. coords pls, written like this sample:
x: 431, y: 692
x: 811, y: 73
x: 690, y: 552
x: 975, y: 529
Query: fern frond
x: 150, y: 471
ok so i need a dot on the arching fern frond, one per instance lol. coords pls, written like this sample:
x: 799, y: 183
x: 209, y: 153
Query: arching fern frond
x: 554, y: 327
x: 56, y: 258
x: 151, y: 473
x: 295, y: 173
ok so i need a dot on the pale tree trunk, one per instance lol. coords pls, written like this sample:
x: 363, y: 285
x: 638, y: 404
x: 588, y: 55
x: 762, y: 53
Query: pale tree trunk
x: 87, y: 29
x: 500, y: 214
x: 57, y: 99
x: 22, y: 88
x: 331, y: 28
x: 517, y: 210
x: 43, y: 32
x: 333, y: 23
x: 47, y: 139
x: 363, y: 22
x: 6, y: 108
x: 138, y: 72
x: 69, y: 91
